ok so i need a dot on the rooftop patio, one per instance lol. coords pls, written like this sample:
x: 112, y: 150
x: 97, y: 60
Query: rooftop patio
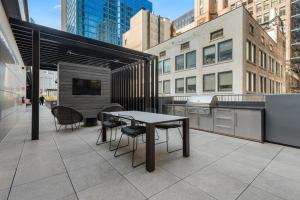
x: 69, y: 165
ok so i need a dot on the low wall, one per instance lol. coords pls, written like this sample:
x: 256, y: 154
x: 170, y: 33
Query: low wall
x: 283, y: 119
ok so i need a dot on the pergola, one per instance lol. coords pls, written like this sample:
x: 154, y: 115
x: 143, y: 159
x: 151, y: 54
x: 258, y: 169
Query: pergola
x: 134, y: 74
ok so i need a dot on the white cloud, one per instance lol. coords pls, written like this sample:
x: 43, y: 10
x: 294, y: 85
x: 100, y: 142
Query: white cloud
x: 58, y: 6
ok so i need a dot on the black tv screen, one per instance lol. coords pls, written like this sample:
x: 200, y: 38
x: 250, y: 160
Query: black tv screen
x: 86, y: 87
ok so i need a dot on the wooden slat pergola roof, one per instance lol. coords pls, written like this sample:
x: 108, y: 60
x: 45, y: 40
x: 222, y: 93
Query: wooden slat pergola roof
x: 56, y: 46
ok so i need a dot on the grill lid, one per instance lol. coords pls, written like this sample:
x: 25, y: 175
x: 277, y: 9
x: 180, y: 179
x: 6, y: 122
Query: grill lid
x: 203, y: 100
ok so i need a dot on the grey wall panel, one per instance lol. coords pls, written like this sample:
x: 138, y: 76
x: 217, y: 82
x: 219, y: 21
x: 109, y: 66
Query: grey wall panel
x: 88, y: 105
x: 12, y: 78
x: 283, y: 119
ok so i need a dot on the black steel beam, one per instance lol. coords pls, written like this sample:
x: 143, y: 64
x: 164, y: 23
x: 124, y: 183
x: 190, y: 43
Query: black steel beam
x: 35, y: 84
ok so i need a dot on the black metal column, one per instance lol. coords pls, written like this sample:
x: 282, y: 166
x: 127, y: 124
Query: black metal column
x: 35, y: 84
x: 147, y: 86
x: 156, y: 85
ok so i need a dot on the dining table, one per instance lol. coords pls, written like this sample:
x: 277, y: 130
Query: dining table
x: 151, y: 120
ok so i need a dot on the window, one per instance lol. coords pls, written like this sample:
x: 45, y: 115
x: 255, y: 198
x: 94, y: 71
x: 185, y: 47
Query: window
x: 258, y: 7
x: 251, y: 29
x: 225, y: 81
x: 250, y: 1
x: 209, y: 55
x: 167, y: 87
x: 191, y: 84
x: 277, y: 69
x: 185, y: 46
x: 263, y: 84
x: 272, y: 69
x: 160, y: 89
x: 282, y: 11
x: 251, y: 52
x: 162, y: 54
x: 266, y: 17
x: 250, y: 82
x: 225, y: 50
x: 225, y: 4
x: 258, y: 19
x: 278, y: 87
x: 216, y: 34
x: 272, y: 89
x: 179, y: 62
x: 179, y: 85
x: 262, y: 59
x: 262, y: 39
x: 209, y: 81
x: 167, y: 66
x: 191, y: 59
x: 160, y: 67
x: 266, y: 4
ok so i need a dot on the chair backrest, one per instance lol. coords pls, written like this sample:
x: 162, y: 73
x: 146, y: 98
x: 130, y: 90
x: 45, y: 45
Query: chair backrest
x: 66, y: 115
x: 110, y: 108
x: 125, y: 118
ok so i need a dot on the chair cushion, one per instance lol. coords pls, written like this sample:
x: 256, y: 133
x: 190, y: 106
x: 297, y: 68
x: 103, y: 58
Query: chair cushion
x: 168, y: 125
x: 133, y: 131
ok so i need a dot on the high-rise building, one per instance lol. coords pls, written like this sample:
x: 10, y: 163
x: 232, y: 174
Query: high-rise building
x: 104, y: 20
x: 146, y: 31
x: 293, y: 18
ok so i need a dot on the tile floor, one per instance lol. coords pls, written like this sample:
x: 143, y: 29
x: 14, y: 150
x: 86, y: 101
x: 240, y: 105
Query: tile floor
x: 69, y: 166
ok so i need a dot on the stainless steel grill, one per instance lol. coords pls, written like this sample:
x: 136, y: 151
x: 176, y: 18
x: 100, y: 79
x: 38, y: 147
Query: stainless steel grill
x: 207, y: 100
x: 199, y: 110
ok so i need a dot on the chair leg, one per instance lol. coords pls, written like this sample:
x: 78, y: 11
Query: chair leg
x: 112, y: 140
x: 135, y: 143
x: 55, y: 125
x: 167, y: 137
x: 99, y: 136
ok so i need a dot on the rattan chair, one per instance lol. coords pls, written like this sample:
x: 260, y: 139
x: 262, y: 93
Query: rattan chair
x: 64, y: 116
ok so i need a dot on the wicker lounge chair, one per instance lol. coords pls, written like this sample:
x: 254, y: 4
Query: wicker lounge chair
x: 66, y: 116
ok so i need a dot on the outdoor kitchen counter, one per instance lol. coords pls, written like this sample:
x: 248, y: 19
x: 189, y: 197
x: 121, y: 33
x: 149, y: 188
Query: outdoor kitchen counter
x: 242, y: 121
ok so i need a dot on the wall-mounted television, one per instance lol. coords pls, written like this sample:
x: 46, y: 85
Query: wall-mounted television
x: 86, y: 87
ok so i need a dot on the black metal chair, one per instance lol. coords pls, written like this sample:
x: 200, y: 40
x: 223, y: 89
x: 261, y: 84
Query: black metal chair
x: 133, y: 131
x: 66, y: 116
x: 110, y: 122
x: 167, y: 126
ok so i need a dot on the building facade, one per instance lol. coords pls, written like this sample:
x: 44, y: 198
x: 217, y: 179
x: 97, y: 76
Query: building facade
x: 231, y: 54
x: 294, y: 52
x: 104, y: 20
x: 184, y: 20
x: 146, y: 30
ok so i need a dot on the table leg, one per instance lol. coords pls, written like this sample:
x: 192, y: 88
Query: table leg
x: 150, y: 147
x: 186, y: 137
x: 103, y: 134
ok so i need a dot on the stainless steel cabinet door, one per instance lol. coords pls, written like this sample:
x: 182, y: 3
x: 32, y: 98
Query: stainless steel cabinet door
x: 224, y: 121
x: 248, y: 124
x: 192, y: 113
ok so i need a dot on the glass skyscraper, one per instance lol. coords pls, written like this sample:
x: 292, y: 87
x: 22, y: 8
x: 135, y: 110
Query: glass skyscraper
x: 104, y: 20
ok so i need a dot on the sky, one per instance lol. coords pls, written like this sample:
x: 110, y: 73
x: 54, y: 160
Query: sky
x: 47, y: 12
